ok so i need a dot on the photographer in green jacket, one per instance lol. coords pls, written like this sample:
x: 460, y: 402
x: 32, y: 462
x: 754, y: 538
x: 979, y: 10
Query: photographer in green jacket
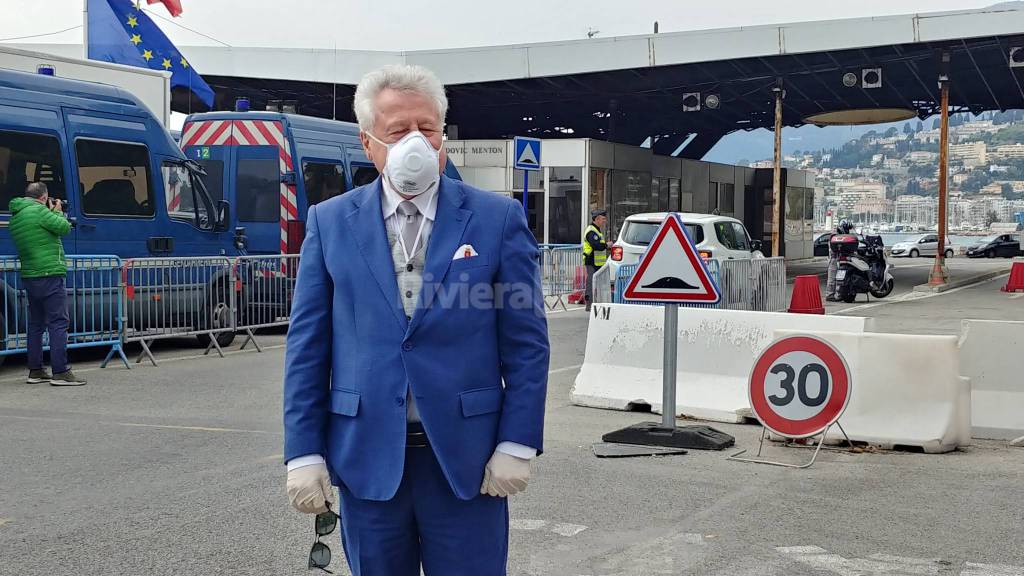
x: 37, y: 225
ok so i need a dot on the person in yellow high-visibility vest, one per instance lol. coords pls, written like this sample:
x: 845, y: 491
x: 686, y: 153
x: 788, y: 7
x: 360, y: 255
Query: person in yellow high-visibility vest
x: 595, y: 249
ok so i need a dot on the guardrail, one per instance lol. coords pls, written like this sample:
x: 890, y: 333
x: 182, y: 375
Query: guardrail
x: 757, y: 284
x: 94, y: 306
x: 175, y: 297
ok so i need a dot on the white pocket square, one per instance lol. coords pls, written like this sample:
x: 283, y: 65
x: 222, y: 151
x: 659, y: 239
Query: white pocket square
x: 465, y: 251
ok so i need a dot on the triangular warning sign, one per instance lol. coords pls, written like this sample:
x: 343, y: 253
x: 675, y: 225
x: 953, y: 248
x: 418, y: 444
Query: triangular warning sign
x: 527, y: 156
x: 671, y: 270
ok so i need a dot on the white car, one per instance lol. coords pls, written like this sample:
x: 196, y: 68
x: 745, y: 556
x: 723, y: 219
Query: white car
x: 716, y: 237
x: 924, y: 245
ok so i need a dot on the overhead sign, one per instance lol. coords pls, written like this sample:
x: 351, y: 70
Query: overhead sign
x: 527, y: 153
x: 799, y: 386
x: 671, y: 270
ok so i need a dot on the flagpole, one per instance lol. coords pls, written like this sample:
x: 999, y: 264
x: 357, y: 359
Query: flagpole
x: 85, y: 28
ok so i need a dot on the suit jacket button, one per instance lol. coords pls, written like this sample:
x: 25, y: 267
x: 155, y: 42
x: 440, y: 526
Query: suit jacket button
x: 399, y: 400
x: 408, y: 293
x: 407, y: 346
x: 408, y: 267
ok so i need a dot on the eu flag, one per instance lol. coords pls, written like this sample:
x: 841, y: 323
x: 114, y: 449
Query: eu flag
x: 121, y: 33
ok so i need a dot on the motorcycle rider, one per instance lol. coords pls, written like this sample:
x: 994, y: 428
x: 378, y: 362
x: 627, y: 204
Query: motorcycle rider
x: 833, y: 264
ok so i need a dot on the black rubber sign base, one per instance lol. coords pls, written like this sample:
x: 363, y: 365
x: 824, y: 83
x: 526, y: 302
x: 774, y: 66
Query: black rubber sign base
x: 653, y: 434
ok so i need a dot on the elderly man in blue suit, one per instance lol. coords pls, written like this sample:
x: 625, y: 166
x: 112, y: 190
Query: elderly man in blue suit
x: 417, y: 361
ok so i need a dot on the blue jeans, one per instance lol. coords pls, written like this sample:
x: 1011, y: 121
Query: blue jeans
x: 47, y: 310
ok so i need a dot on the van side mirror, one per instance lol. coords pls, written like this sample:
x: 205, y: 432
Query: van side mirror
x: 223, y: 215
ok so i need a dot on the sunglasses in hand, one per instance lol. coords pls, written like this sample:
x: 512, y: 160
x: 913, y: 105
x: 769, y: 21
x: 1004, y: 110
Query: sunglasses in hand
x: 320, y: 554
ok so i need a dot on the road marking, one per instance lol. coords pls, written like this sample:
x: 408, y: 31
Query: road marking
x: 4, y: 522
x: 526, y: 524
x: 973, y: 569
x: 1018, y: 295
x: 879, y: 564
x: 140, y: 425
x: 189, y: 428
x: 565, y: 369
x: 568, y: 530
x: 914, y: 296
x: 572, y: 309
x: 560, y: 528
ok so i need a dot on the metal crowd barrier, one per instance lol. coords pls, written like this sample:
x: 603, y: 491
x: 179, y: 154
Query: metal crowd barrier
x: 176, y: 297
x: 94, y: 306
x: 625, y: 274
x: 603, y: 285
x: 264, y: 285
x: 562, y: 273
x: 758, y: 284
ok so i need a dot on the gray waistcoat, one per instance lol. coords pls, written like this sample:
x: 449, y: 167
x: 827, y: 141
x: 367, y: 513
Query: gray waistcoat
x: 410, y: 282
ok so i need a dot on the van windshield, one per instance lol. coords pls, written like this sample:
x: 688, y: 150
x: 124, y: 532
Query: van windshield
x: 641, y: 233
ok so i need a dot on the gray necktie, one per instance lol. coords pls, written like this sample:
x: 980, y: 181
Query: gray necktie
x: 410, y: 225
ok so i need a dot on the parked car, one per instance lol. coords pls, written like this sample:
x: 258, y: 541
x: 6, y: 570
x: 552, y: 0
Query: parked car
x: 821, y: 244
x: 1001, y: 245
x: 924, y: 245
x: 716, y: 237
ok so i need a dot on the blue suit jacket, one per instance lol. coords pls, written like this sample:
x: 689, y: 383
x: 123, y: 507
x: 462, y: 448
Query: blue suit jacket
x: 474, y: 354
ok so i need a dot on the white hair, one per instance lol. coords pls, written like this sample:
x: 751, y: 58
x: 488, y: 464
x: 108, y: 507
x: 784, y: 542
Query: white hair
x: 396, y: 77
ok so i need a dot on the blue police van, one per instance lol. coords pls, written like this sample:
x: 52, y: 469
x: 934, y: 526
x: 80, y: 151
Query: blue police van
x: 273, y: 166
x: 239, y: 184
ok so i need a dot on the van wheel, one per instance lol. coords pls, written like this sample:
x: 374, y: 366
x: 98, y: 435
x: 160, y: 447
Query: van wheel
x: 218, y: 316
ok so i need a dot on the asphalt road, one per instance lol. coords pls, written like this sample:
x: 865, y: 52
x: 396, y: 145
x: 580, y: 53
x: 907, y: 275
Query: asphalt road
x: 907, y: 273
x: 176, y: 471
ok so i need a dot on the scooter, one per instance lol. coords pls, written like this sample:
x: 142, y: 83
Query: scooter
x: 862, y: 270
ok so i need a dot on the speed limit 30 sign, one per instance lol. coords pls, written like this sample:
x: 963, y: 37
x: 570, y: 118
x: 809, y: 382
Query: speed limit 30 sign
x: 799, y: 386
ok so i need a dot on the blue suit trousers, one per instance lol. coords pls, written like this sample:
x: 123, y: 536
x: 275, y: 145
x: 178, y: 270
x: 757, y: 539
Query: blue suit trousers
x: 424, y: 524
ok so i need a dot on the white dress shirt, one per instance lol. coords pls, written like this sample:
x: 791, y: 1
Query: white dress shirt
x: 426, y: 203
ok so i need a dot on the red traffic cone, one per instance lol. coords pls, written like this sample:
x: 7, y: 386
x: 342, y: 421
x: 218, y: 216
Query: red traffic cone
x: 806, y: 296
x: 1016, y: 281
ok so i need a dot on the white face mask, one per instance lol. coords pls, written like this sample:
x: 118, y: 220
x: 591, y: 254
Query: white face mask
x: 412, y: 164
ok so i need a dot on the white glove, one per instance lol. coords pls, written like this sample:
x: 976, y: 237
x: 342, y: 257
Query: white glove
x: 505, y: 475
x: 309, y: 489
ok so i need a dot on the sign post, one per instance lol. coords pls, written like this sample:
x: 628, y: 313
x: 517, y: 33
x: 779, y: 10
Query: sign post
x: 798, y: 388
x: 670, y: 272
x: 527, y: 155
x: 668, y: 373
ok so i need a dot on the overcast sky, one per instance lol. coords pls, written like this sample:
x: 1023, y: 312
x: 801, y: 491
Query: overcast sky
x: 420, y: 24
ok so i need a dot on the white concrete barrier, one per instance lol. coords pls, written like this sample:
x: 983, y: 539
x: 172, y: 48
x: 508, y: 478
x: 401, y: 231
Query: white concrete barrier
x: 906, y: 390
x: 717, y: 349
x: 992, y: 356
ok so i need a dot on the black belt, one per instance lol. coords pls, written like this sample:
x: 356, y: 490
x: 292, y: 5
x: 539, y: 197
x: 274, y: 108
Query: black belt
x: 415, y: 435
